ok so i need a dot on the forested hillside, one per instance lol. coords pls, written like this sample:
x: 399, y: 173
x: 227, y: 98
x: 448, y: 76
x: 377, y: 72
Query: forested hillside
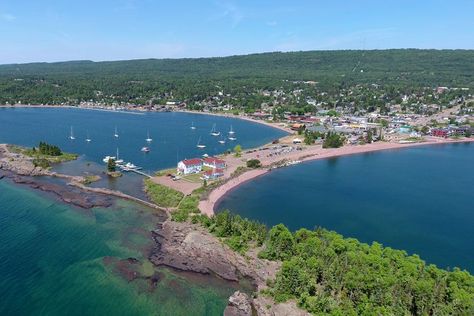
x: 141, y: 81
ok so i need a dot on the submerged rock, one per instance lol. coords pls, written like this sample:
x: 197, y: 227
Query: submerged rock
x: 239, y: 305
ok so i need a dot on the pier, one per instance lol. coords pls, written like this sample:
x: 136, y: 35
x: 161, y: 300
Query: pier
x: 140, y: 173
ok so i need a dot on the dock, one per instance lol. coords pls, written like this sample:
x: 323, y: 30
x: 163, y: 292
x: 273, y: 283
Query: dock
x: 140, y: 173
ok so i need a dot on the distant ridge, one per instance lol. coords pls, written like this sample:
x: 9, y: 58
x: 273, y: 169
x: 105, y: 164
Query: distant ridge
x: 188, y: 77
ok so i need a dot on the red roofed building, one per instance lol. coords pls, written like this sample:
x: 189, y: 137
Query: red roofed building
x: 213, y: 174
x: 188, y: 166
x: 213, y: 162
x: 439, y: 132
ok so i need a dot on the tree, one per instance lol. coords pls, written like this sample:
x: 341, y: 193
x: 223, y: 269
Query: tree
x: 254, y: 163
x: 238, y: 150
x: 280, y: 243
x: 384, y: 123
x: 425, y: 130
x: 333, y: 140
x: 369, y: 136
x: 111, y: 165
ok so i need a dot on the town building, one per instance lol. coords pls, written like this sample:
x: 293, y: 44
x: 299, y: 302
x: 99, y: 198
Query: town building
x: 189, y: 166
x: 213, y: 162
x: 213, y: 174
x: 439, y: 132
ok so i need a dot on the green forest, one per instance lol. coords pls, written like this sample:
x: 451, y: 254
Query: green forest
x: 192, y: 79
x: 328, y: 274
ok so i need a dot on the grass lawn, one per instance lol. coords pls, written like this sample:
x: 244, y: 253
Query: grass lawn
x: 164, y: 172
x: 195, y: 177
x: 162, y: 195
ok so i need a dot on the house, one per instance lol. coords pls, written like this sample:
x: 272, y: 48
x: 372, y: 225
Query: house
x: 297, y: 127
x: 189, y: 166
x: 439, y: 132
x: 213, y: 162
x: 213, y: 174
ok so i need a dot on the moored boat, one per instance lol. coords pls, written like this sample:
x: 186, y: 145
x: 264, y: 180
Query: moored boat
x: 199, y: 145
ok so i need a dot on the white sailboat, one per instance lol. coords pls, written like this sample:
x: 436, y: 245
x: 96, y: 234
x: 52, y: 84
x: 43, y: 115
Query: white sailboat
x: 116, y: 135
x: 148, y: 139
x: 214, y: 132
x: 88, y: 139
x: 232, y: 138
x: 71, y: 135
x: 231, y: 132
x: 192, y: 125
x: 222, y: 141
x: 107, y: 158
x: 118, y: 161
x: 199, y: 145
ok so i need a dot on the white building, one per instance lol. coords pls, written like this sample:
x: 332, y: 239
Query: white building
x: 189, y: 166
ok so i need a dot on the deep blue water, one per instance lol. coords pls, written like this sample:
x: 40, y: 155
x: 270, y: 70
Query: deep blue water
x: 173, y: 139
x: 418, y: 199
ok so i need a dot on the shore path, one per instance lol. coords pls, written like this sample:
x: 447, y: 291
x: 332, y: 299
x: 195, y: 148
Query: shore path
x: 309, y: 153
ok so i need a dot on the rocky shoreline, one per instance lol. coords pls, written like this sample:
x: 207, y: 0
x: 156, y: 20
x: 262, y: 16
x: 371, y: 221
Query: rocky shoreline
x: 190, y: 247
x: 181, y: 246
x: 69, y: 194
x: 21, y: 170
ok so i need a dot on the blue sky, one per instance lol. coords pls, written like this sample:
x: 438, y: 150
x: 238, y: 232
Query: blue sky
x: 53, y: 30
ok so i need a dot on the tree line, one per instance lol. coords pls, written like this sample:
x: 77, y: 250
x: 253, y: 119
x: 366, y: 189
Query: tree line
x: 191, y: 80
x: 328, y: 274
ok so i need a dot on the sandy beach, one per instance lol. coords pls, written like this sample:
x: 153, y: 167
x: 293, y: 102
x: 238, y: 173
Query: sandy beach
x: 246, y: 118
x: 313, y: 153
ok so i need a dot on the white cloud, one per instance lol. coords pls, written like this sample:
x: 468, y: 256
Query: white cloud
x: 272, y: 23
x: 7, y: 17
x: 231, y: 12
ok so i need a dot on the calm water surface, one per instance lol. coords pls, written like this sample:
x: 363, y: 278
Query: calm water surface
x: 56, y: 260
x: 173, y: 138
x: 418, y: 199
x: 59, y: 260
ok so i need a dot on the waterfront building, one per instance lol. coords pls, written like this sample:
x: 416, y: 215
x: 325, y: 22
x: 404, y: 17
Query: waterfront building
x: 213, y: 162
x: 189, y: 166
x: 213, y: 174
x: 439, y: 132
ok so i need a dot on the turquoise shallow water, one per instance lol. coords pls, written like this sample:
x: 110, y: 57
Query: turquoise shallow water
x: 418, y: 199
x: 59, y: 260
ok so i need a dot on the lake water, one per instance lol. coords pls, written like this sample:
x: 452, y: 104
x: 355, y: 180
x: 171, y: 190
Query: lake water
x: 60, y: 260
x: 173, y: 138
x: 418, y: 199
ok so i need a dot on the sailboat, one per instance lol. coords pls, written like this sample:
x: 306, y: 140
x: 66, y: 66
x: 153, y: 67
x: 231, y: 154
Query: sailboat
x: 118, y: 161
x: 116, y: 135
x: 88, y: 139
x: 148, y: 139
x: 222, y: 141
x: 214, y: 132
x: 232, y: 134
x: 199, y: 145
x: 71, y: 135
x: 192, y: 125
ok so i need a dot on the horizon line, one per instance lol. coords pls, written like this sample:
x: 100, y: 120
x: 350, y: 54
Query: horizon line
x: 235, y: 55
